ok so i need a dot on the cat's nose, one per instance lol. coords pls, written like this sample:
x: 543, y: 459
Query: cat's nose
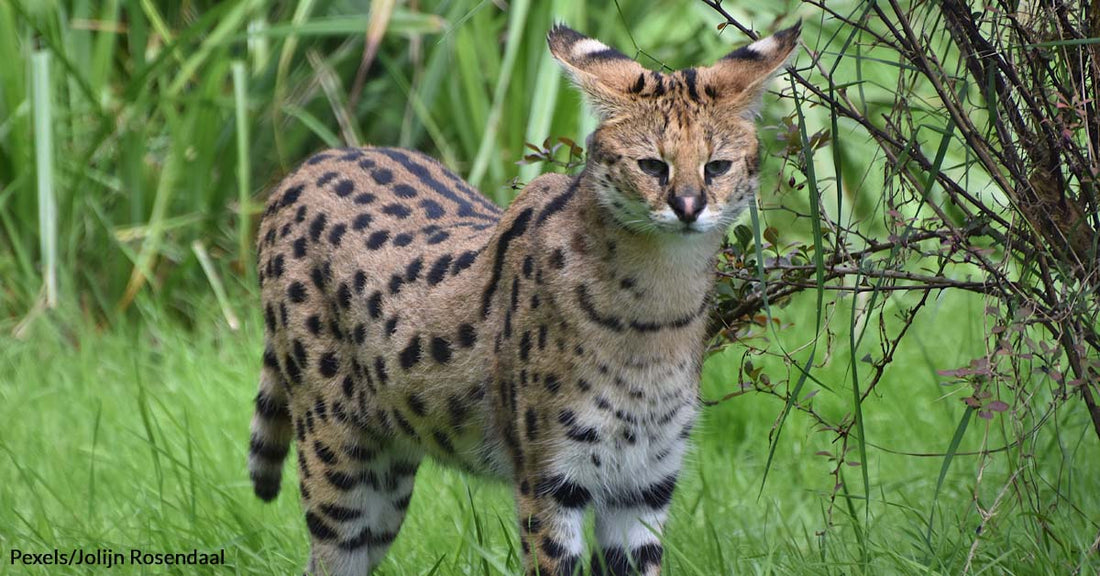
x: 687, y: 208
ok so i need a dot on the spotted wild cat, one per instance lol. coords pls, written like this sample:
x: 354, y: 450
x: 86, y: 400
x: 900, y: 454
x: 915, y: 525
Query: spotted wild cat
x: 556, y: 345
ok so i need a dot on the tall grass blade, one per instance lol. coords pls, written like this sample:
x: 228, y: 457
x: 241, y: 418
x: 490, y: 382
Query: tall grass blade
x: 819, y: 272
x: 44, y: 164
x: 150, y: 248
x: 337, y: 100
x: 244, y: 166
x: 282, y: 70
x: 517, y: 16
x: 314, y: 124
x: 215, y: 283
x: 221, y: 32
x: 541, y: 113
x: 952, y: 448
x: 106, y: 41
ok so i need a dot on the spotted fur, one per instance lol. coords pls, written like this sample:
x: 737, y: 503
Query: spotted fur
x: 556, y: 345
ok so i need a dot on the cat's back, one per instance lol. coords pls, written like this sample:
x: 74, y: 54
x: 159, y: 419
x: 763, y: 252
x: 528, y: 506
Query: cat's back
x: 377, y: 207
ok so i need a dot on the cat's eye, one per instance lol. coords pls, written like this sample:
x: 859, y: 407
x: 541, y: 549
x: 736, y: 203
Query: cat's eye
x: 654, y: 167
x: 716, y: 168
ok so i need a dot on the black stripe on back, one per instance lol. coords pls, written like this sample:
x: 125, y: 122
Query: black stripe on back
x: 518, y: 227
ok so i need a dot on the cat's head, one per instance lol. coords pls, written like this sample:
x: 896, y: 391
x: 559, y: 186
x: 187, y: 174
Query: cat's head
x: 675, y: 152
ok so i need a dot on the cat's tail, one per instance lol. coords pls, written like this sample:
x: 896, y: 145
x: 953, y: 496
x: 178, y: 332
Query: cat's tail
x: 271, y: 432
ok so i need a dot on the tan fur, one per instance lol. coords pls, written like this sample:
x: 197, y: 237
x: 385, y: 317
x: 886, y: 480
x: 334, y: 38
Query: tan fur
x: 557, y: 345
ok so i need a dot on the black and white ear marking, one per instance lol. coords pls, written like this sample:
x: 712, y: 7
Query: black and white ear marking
x: 606, y: 75
x: 574, y: 48
x: 740, y: 79
x: 778, y: 45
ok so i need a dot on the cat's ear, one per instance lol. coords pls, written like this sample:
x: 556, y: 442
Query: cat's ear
x: 740, y: 79
x: 608, y: 77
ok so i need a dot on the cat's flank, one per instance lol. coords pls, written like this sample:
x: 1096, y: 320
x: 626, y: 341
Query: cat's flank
x: 556, y: 345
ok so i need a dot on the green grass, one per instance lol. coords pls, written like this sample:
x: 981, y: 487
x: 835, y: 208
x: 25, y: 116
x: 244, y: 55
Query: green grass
x: 136, y: 438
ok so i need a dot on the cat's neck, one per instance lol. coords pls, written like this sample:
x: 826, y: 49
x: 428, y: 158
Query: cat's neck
x: 670, y: 272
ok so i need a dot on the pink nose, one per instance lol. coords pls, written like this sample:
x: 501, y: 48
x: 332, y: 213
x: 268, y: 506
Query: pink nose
x: 687, y: 208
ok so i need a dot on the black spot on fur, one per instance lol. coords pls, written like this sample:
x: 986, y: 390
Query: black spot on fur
x: 432, y: 209
x: 552, y: 383
x: 404, y: 425
x: 382, y: 176
x: 377, y: 239
x: 380, y: 370
x: 439, y: 269
x: 416, y: 404
x: 467, y: 336
x: 567, y: 494
x: 345, y: 188
x: 317, y: 227
x: 553, y: 549
x: 336, y: 234
x: 359, y: 333
x: 329, y: 365
x: 299, y: 247
x: 576, y: 432
x: 690, y: 79
x: 402, y: 239
x: 441, y: 350
x: 443, y: 441
x: 656, y: 496
x: 291, y: 195
x: 404, y: 191
x: 343, y: 296
x: 464, y: 261
x: 411, y: 354
x: 531, y: 419
x: 557, y: 259
x: 412, y: 271
x: 395, y: 283
x: 296, y: 292
x: 659, y: 81
x: 399, y: 211
x: 391, y: 326
x: 457, y: 411
x: 324, y: 453
x: 525, y: 346
x: 374, y: 305
x: 543, y: 329
x: 361, y: 222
